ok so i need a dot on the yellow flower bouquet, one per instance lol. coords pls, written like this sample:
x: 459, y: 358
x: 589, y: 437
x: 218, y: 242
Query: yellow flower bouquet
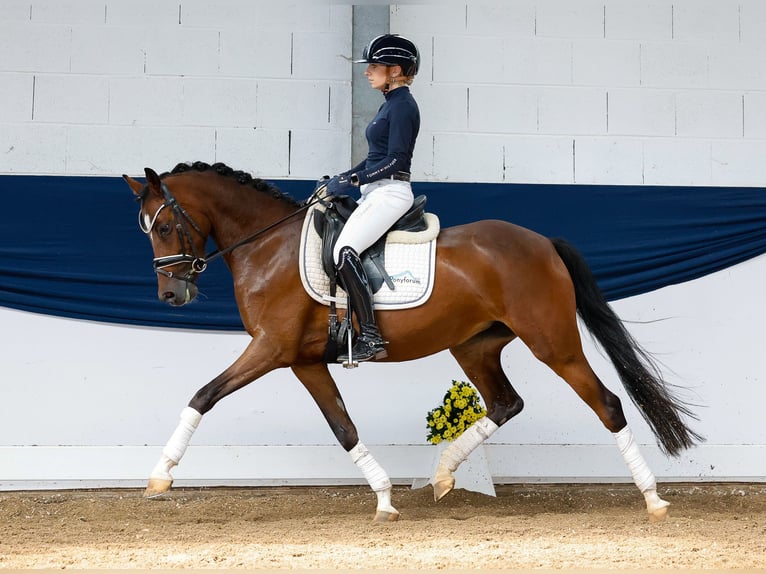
x: 459, y: 410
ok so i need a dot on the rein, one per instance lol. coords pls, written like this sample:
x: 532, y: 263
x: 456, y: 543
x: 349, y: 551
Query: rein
x: 199, y: 264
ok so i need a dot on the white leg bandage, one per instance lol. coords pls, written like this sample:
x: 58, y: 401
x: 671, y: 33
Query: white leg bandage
x: 466, y: 443
x: 372, y: 471
x: 176, y: 446
x: 642, y: 476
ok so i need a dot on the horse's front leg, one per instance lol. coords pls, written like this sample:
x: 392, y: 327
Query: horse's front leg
x: 251, y: 365
x: 320, y: 384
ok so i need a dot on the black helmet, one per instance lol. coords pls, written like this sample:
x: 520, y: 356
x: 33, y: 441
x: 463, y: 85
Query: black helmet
x: 392, y: 50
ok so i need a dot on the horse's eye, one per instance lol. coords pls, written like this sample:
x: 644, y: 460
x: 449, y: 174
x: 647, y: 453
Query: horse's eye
x: 164, y: 229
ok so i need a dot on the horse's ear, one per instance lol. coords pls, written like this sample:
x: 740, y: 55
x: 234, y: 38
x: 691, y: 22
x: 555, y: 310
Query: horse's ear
x: 135, y: 185
x: 153, y: 181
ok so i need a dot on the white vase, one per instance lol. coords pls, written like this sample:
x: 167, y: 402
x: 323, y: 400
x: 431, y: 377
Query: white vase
x: 473, y: 474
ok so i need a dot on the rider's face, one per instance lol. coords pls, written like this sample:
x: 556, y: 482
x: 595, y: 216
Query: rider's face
x: 379, y: 75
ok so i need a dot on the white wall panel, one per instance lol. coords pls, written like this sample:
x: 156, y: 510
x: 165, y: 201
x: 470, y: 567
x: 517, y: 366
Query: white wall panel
x: 706, y: 21
x: 146, y: 100
x: 107, y: 50
x: 446, y: 18
x: 34, y: 48
x: 15, y: 11
x: 143, y: 14
x: 444, y: 107
x: 182, y: 52
x: 677, y: 162
x: 293, y: 60
x: 475, y: 57
x: 734, y: 66
x: 645, y: 21
x: 606, y: 63
x: 315, y: 153
x: 505, y: 19
x: 609, y: 161
x: 16, y: 97
x: 452, y: 150
x: 109, y: 149
x: 738, y: 162
x: 538, y: 61
x: 572, y: 111
x: 538, y: 159
x: 674, y: 65
x: 314, y: 51
x: 752, y: 22
x: 266, y: 54
x: 224, y: 102
x: 33, y: 148
x: 709, y: 114
x: 262, y: 152
x: 503, y: 109
x: 755, y: 115
x: 57, y: 12
x: 642, y: 112
x: 71, y: 99
x: 583, y: 19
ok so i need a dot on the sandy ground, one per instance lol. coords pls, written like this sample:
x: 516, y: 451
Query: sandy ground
x: 710, y: 526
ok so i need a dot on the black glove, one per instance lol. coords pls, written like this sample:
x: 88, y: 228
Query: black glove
x: 339, y: 185
x: 321, y: 182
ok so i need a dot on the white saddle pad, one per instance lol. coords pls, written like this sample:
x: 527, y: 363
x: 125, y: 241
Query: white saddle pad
x: 410, y: 258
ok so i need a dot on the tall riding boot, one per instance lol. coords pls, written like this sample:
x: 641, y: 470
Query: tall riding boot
x: 369, y: 343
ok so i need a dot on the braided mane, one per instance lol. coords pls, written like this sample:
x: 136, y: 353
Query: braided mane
x: 241, y: 177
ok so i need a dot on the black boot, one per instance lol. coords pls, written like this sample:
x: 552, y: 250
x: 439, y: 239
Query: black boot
x: 369, y: 343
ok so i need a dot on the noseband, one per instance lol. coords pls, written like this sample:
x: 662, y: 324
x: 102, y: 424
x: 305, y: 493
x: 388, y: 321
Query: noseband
x: 183, y: 221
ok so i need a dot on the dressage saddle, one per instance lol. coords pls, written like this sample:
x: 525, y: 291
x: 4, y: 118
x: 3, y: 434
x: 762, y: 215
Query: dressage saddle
x: 330, y: 222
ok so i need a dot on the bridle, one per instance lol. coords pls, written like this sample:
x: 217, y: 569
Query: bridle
x: 183, y: 222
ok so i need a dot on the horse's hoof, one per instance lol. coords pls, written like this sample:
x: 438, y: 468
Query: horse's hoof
x: 443, y: 488
x: 156, y: 487
x: 386, y: 516
x: 658, y: 514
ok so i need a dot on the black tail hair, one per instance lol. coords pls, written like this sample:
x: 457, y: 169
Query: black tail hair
x: 638, y: 372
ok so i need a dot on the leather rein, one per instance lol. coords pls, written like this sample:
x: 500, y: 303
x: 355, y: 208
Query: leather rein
x: 183, y: 222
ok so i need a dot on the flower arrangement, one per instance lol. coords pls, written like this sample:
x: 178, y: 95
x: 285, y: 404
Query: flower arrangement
x: 460, y: 409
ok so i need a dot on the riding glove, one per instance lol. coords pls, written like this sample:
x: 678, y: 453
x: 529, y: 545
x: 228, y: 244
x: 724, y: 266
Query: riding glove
x: 339, y: 185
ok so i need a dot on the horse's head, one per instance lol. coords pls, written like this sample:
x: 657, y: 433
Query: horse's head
x: 177, y: 241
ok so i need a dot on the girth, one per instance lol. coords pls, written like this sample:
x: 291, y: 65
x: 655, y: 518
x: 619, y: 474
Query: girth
x: 330, y: 222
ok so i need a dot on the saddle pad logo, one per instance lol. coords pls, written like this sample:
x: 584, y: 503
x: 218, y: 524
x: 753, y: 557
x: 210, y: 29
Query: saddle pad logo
x: 410, y: 267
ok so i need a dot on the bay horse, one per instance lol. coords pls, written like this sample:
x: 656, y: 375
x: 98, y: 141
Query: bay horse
x: 494, y: 282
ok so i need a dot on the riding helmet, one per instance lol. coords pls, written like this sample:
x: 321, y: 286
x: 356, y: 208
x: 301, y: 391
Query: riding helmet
x: 392, y: 50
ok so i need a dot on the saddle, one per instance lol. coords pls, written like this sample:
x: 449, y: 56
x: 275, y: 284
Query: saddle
x: 329, y: 223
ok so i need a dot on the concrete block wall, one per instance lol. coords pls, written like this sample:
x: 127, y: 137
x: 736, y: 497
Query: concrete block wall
x: 666, y: 92
x: 594, y: 92
x: 106, y: 87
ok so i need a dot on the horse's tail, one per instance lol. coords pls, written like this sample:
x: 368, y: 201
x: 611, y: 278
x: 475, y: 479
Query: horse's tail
x: 636, y: 369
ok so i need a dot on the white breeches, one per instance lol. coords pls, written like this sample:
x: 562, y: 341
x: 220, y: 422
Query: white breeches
x: 382, y: 203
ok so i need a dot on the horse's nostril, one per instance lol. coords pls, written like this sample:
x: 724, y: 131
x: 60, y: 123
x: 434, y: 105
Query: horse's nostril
x: 168, y: 296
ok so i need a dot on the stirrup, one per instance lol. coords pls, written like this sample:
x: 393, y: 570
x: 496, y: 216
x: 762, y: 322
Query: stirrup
x: 365, y: 349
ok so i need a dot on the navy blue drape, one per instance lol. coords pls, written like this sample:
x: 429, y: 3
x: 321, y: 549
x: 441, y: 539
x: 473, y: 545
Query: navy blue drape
x: 70, y: 246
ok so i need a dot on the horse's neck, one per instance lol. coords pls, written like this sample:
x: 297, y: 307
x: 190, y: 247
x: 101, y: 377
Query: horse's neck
x: 245, y: 218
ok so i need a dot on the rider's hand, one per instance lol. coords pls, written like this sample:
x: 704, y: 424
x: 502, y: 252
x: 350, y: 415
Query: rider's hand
x: 339, y: 185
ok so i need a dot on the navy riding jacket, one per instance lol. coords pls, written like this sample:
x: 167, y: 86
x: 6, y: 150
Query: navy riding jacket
x: 391, y: 137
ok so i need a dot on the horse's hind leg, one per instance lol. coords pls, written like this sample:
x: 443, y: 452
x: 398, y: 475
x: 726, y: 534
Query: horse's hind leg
x: 479, y: 358
x: 320, y: 384
x: 560, y: 347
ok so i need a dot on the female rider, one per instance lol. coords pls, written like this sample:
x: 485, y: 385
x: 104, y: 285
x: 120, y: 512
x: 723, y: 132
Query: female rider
x: 383, y: 179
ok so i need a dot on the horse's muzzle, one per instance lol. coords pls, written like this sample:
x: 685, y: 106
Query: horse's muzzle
x: 176, y: 292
